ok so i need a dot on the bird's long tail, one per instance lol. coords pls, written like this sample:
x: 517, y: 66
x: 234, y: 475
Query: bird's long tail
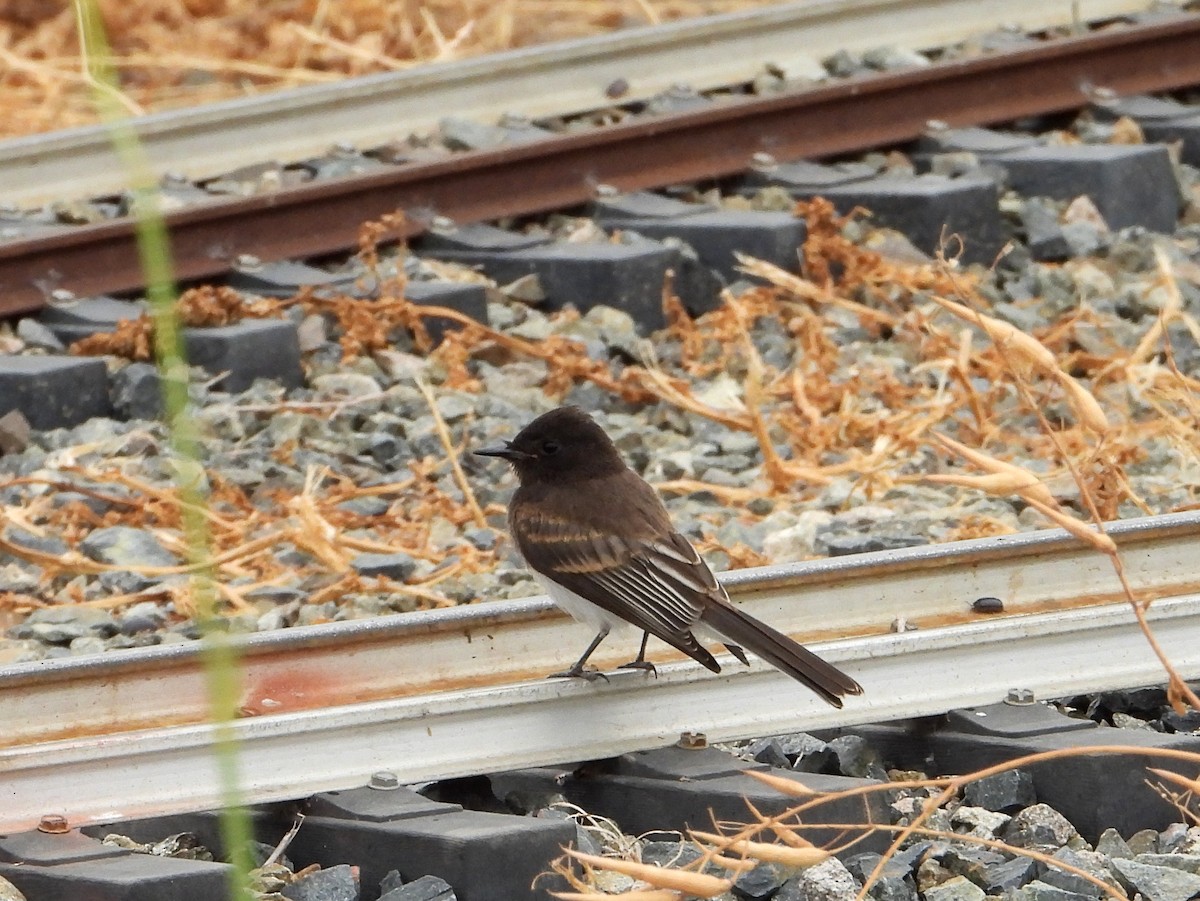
x: 780, y: 651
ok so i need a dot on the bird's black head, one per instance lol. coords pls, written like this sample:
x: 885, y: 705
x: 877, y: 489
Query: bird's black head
x: 564, y: 445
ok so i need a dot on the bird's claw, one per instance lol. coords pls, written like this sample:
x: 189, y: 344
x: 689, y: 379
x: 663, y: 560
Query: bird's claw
x: 645, y: 665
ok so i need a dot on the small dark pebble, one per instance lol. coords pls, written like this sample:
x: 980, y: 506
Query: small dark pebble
x: 768, y: 751
x: 339, y: 883
x: 759, y: 884
x: 96, y: 505
x: 970, y: 862
x: 1005, y: 792
x: 761, y: 506
x: 134, y: 623
x: 124, y: 582
x: 276, y: 594
x: 912, y: 856
x: 46, y: 544
x: 1007, y: 876
x: 392, y: 881
x: 862, y: 865
x: 1172, y: 838
x: 855, y: 757
x: 365, y: 506
x: 427, y: 888
x: 483, y: 539
x: 397, y: 566
x: 383, y: 448
x: 1181, y: 722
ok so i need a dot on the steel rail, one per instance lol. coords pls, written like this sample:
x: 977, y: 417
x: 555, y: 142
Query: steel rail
x: 458, y: 692
x: 554, y: 79
x: 646, y: 152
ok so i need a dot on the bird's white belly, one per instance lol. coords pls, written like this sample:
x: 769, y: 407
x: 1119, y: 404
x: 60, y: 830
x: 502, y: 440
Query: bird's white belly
x: 580, y: 608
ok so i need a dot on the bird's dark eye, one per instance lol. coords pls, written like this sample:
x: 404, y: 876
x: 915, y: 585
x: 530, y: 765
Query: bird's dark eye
x: 550, y: 446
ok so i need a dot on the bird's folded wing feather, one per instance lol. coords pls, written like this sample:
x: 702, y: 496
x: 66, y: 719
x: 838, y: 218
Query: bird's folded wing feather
x: 658, y: 583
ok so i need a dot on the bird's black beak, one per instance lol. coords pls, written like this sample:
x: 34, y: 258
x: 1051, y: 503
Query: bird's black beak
x: 505, y: 451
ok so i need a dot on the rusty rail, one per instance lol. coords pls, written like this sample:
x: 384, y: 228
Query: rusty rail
x: 460, y: 691
x: 646, y: 152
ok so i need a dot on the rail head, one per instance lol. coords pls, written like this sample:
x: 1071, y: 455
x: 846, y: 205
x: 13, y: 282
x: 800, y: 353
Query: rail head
x: 485, y: 645
x: 802, y: 577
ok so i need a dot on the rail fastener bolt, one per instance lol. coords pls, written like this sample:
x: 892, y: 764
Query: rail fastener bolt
x: 54, y: 824
x: 384, y: 781
x: 1020, y: 697
x: 693, y: 741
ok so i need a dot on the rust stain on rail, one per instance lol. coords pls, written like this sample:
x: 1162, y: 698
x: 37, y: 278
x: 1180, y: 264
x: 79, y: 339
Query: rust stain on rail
x: 295, y: 680
x: 647, y: 152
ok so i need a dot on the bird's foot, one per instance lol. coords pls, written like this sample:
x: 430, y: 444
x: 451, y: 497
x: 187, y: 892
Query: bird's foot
x: 588, y: 675
x: 642, y: 665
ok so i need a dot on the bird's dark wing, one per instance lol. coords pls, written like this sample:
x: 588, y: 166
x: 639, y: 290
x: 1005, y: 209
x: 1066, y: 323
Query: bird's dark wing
x: 656, y: 582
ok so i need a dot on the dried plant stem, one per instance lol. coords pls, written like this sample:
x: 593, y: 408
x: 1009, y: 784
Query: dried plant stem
x: 1016, y: 345
x: 1177, y: 689
x: 782, y: 474
x: 429, y: 597
x: 664, y: 388
x: 225, y: 66
x: 788, y: 855
x: 350, y: 50
x: 657, y: 894
x: 726, y: 493
x: 956, y: 784
x: 1171, y: 310
x: 452, y: 455
x: 115, y: 601
x: 167, y: 498
x: 78, y: 563
x: 1037, y: 356
x: 304, y: 406
x: 282, y: 846
x: 693, y: 883
x: 807, y: 290
x: 235, y: 597
x: 374, y: 490
x: 60, y: 485
x: 966, y: 838
x: 91, y: 62
x: 377, y: 547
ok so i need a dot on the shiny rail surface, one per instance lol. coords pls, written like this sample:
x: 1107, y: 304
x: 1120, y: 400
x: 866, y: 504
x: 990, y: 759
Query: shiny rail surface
x: 459, y: 692
x: 716, y: 140
x: 553, y: 79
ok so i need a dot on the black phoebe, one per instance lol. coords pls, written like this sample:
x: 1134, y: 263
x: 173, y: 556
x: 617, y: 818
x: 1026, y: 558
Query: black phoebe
x: 600, y: 541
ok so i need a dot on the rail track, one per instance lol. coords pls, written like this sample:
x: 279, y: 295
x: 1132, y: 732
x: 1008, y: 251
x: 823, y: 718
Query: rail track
x: 112, y: 736
x: 560, y: 171
x: 564, y: 78
x: 125, y: 735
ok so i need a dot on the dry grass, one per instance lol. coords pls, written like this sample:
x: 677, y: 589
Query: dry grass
x: 962, y: 384
x: 249, y: 530
x: 174, y: 53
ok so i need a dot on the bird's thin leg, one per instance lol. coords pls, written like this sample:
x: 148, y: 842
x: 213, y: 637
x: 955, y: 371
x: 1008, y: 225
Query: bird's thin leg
x: 641, y: 662
x: 577, y: 671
